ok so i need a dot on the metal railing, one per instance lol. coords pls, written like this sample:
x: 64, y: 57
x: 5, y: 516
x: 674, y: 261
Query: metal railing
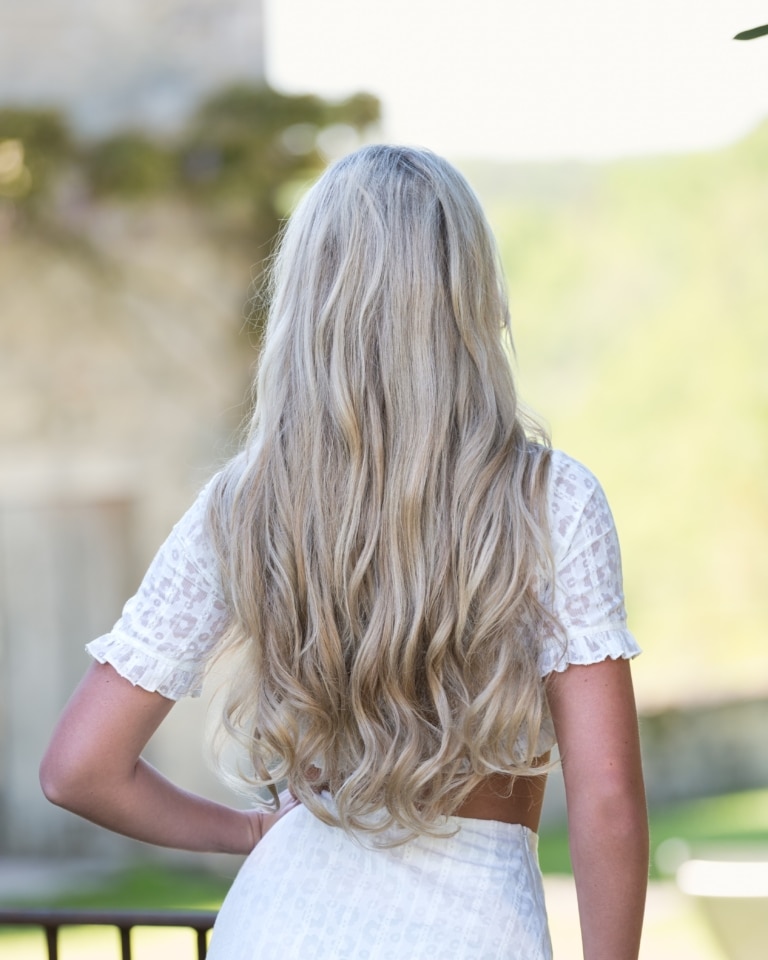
x: 124, y: 921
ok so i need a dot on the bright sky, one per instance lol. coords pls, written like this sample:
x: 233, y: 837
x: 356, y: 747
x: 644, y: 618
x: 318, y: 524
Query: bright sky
x: 538, y: 79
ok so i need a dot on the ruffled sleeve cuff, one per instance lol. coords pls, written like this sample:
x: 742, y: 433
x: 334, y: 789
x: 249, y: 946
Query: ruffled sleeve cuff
x: 612, y: 643
x: 173, y: 679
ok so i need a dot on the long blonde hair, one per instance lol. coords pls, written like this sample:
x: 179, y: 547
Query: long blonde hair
x: 383, y: 535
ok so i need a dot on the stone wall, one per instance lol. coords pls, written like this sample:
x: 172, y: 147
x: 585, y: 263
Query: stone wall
x: 127, y: 63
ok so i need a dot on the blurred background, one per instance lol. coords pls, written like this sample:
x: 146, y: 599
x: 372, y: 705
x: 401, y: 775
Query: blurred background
x: 149, y: 152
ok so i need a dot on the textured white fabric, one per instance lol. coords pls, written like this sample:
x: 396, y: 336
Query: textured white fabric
x: 167, y: 631
x: 313, y: 891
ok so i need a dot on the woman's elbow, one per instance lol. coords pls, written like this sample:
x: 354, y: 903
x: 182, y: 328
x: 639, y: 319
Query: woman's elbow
x: 624, y: 812
x: 64, y: 783
x: 619, y: 817
x: 615, y: 803
x: 53, y: 780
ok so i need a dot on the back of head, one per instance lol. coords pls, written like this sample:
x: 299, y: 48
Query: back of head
x: 383, y: 538
x: 387, y: 277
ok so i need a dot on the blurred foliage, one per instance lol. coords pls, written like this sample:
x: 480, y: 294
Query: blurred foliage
x: 241, y: 161
x: 247, y: 142
x: 35, y: 147
x: 638, y: 295
x: 242, y: 146
x: 129, y: 165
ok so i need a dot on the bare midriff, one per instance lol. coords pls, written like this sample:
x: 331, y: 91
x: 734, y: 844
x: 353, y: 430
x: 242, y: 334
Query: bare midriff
x: 509, y: 800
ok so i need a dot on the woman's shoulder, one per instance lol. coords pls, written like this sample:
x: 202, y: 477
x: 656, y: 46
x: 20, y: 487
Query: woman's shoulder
x: 572, y: 491
x: 569, y: 478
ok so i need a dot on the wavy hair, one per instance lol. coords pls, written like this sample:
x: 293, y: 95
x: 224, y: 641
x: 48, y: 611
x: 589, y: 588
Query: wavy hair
x: 383, y: 535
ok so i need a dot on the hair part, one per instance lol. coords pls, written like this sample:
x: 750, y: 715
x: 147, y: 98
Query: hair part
x: 383, y: 535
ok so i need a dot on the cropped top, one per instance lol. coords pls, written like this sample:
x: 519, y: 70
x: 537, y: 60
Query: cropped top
x: 169, y: 629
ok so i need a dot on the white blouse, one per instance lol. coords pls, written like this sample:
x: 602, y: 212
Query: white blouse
x: 168, y: 631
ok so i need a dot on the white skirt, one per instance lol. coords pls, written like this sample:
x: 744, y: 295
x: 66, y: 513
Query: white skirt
x: 311, y: 891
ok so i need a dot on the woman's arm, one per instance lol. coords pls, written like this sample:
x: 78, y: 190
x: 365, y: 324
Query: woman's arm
x: 593, y: 709
x: 93, y: 767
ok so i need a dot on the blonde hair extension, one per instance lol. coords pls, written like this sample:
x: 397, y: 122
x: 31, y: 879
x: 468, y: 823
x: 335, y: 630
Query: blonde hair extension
x: 383, y: 536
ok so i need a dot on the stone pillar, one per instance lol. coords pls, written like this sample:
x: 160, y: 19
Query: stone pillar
x: 65, y: 571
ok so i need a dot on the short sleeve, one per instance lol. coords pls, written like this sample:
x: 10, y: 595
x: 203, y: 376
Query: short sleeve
x: 168, y: 631
x: 588, y: 595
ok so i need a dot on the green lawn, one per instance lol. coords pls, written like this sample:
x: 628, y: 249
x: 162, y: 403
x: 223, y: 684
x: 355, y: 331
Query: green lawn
x: 149, y: 887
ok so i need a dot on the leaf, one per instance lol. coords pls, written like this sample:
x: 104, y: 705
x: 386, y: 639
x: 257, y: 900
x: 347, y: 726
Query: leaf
x: 752, y: 34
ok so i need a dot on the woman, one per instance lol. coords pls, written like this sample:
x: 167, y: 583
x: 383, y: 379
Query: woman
x: 420, y: 599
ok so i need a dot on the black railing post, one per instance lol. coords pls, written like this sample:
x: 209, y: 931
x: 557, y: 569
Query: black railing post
x: 51, y: 921
x: 52, y: 942
x: 125, y: 943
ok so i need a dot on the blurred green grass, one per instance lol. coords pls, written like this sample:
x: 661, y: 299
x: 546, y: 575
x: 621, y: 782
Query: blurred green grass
x: 143, y: 886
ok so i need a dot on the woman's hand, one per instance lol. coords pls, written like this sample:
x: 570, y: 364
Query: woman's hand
x: 261, y: 822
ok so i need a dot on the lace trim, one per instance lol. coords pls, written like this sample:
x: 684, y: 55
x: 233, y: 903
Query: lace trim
x: 612, y: 644
x: 148, y: 669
